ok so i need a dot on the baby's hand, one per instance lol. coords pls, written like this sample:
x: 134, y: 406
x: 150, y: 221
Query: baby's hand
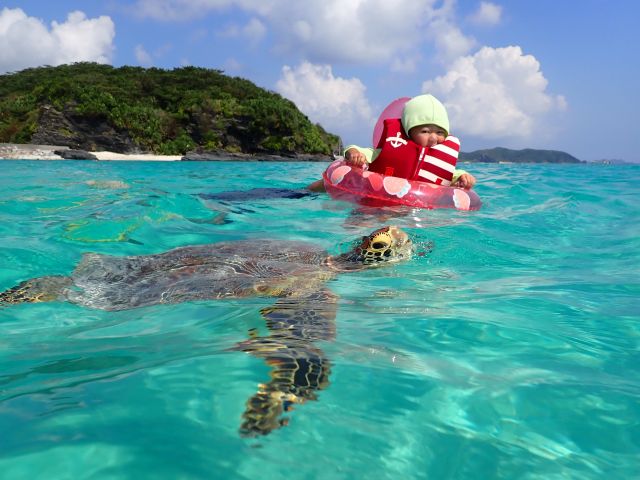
x: 354, y: 157
x: 466, y: 180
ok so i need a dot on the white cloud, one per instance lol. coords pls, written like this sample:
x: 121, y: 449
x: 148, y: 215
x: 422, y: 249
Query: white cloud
x: 498, y: 92
x: 27, y: 42
x: 338, y: 104
x: 449, y: 40
x: 354, y: 31
x: 171, y: 10
x: 180, y: 10
x: 142, y: 56
x: 146, y: 59
x: 163, y: 50
x: 487, y: 14
x: 232, y: 65
x: 405, y: 65
x: 360, y: 31
x: 253, y: 32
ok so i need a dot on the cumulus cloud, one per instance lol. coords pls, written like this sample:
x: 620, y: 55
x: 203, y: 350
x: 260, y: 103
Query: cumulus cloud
x: 28, y: 42
x: 497, y: 92
x: 360, y: 31
x: 487, y: 14
x: 338, y: 104
x: 321, y: 31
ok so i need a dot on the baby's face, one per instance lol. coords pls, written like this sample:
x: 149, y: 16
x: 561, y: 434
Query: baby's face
x: 427, y: 135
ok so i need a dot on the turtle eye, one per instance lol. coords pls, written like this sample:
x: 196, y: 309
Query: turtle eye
x: 379, y: 245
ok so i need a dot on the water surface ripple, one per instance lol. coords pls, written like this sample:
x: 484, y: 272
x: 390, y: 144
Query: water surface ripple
x: 507, y: 348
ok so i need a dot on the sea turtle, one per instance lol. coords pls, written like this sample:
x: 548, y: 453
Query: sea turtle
x: 295, y: 272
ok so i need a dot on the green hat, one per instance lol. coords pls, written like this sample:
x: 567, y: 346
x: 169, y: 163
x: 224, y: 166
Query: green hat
x: 422, y: 110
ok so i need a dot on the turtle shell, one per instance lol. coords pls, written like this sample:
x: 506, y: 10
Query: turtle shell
x: 217, y: 270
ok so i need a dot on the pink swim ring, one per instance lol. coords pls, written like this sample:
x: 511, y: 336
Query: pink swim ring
x: 357, y: 185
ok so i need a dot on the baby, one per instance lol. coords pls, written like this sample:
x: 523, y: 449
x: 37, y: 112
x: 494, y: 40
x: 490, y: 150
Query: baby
x: 416, y: 146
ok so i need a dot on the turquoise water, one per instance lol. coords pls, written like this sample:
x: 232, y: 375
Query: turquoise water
x: 509, y: 350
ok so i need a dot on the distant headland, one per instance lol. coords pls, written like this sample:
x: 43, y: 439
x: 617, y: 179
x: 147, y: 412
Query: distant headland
x: 527, y: 155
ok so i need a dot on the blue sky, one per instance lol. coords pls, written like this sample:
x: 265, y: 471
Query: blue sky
x: 552, y: 74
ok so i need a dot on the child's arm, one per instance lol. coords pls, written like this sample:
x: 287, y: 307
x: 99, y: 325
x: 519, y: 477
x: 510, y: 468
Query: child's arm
x: 463, y: 179
x: 358, y: 156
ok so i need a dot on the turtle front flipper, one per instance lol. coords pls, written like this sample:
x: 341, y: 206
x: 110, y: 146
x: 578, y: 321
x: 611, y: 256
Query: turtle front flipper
x: 304, y: 315
x: 299, y: 370
x: 35, y: 290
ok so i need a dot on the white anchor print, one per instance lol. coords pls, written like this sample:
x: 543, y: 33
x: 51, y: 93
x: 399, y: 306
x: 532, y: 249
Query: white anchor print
x: 396, y: 141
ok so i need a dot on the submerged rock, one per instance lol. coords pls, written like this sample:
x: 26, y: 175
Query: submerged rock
x: 71, y: 154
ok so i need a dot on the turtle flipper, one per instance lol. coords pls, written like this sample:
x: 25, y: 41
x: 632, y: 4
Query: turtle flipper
x: 307, y: 315
x: 299, y: 368
x: 299, y: 371
x: 35, y: 290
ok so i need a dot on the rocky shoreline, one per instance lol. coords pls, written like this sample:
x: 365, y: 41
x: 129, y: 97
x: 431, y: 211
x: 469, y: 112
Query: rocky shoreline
x: 15, y: 151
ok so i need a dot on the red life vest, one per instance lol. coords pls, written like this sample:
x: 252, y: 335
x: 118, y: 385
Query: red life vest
x: 401, y: 157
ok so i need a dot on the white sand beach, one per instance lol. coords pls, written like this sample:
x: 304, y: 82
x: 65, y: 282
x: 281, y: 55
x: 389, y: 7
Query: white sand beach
x: 15, y: 151
x: 136, y: 157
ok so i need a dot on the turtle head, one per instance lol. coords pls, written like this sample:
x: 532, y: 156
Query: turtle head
x: 387, y: 244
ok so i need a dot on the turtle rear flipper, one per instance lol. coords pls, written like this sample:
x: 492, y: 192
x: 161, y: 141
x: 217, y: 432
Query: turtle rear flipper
x: 35, y: 290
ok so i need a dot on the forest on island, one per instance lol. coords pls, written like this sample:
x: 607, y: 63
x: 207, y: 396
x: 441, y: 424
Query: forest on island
x: 87, y: 105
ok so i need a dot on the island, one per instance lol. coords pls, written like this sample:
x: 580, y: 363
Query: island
x: 191, y: 112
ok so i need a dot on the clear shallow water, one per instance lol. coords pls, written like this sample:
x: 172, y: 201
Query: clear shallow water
x: 511, y: 350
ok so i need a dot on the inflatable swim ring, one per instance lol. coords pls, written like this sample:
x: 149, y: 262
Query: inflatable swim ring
x: 356, y: 185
